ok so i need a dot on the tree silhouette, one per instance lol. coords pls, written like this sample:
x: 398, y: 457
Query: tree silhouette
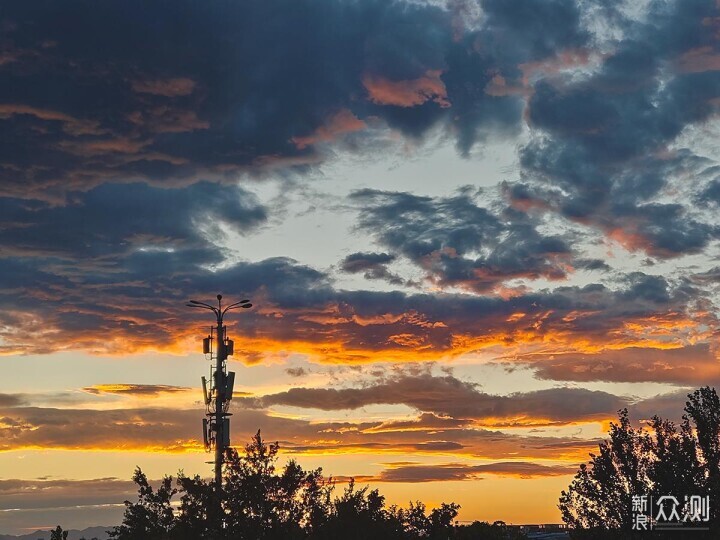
x: 704, y: 409
x: 258, y: 503
x: 151, y: 518
x: 261, y: 502
x: 58, y: 534
x: 359, y: 514
x: 666, y: 459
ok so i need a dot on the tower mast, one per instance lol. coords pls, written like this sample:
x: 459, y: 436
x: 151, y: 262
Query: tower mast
x: 216, y: 427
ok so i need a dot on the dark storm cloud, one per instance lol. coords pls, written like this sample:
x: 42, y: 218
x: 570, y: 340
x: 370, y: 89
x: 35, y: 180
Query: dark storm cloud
x: 119, y: 146
x: 104, y: 247
x: 600, y: 152
x: 528, y: 30
x: 373, y: 266
x: 712, y: 193
x: 210, y: 91
x: 108, y: 311
x: 108, y: 308
x: 459, y: 243
x: 361, y: 262
x: 116, y: 220
x: 512, y: 33
x: 448, y: 396
x: 710, y: 277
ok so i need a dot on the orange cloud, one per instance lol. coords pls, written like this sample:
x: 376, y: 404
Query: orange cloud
x: 693, y: 365
x: 178, y: 86
x: 408, y: 93
x: 120, y: 145
x: 339, y: 124
x: 135, y: 389
x: 351, y: 337
x: 498, y: 87
x: 71, y: 125
x: 164, y: 119
x: 699, y: 60
x: 173, y: 431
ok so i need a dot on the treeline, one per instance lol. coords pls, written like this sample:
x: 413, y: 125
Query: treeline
x: 637, y: 467
x: 259, y: 502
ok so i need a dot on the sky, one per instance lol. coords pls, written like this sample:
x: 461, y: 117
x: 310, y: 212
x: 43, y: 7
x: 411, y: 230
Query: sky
x: 472, y: 231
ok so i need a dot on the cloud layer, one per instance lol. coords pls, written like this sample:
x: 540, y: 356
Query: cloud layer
x: 141, y: 153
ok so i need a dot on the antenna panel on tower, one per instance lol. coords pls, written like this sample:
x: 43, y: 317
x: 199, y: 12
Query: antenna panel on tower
x: 205, y: 391
x: 229, y: 385
x: 226, y: 432
x: 205, y: 434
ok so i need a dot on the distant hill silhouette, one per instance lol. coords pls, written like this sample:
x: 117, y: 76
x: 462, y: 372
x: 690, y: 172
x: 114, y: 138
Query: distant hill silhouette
x: 91, y: 532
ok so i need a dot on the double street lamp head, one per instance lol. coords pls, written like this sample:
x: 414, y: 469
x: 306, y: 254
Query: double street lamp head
x: 220, y: 310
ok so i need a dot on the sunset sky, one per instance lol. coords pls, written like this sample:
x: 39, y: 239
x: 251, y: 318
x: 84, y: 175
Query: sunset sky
x: 471, y: 231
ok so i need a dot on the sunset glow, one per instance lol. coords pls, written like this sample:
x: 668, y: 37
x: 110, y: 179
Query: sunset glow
x: 471, y: 233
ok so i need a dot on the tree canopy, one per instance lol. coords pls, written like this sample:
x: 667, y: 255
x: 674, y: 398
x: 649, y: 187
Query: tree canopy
x: 663, y: 459
x: 261, y: 502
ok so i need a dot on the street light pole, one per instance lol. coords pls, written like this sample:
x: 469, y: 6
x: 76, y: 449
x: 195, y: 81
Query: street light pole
x: 216, y: 427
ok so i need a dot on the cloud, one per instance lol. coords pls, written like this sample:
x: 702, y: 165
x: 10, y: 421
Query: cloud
x: 129, y: 429
x: 373, y: 265
x: 450, y: 397
x: 457, y: 471
x: 690, y: 365
x: 11, y: 400
x: 457, y: 242
x: 134, y: 389
x: 25, y: 503
x: 70, y: 125
x: 173, y: 430
x: 601, y: 152
x: 296, y: 371
x: 408, y: 93
x: 339, y: 124
x: 230, y: 97
x: 359, y: 262
x: 178, y: 86
x: 162, y: 218
x: 138, y: 150
x: 111, y: 314
x: 54, y: 493
x: 668, y: 406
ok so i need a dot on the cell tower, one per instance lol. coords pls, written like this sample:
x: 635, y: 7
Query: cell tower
x: 218, y: 394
